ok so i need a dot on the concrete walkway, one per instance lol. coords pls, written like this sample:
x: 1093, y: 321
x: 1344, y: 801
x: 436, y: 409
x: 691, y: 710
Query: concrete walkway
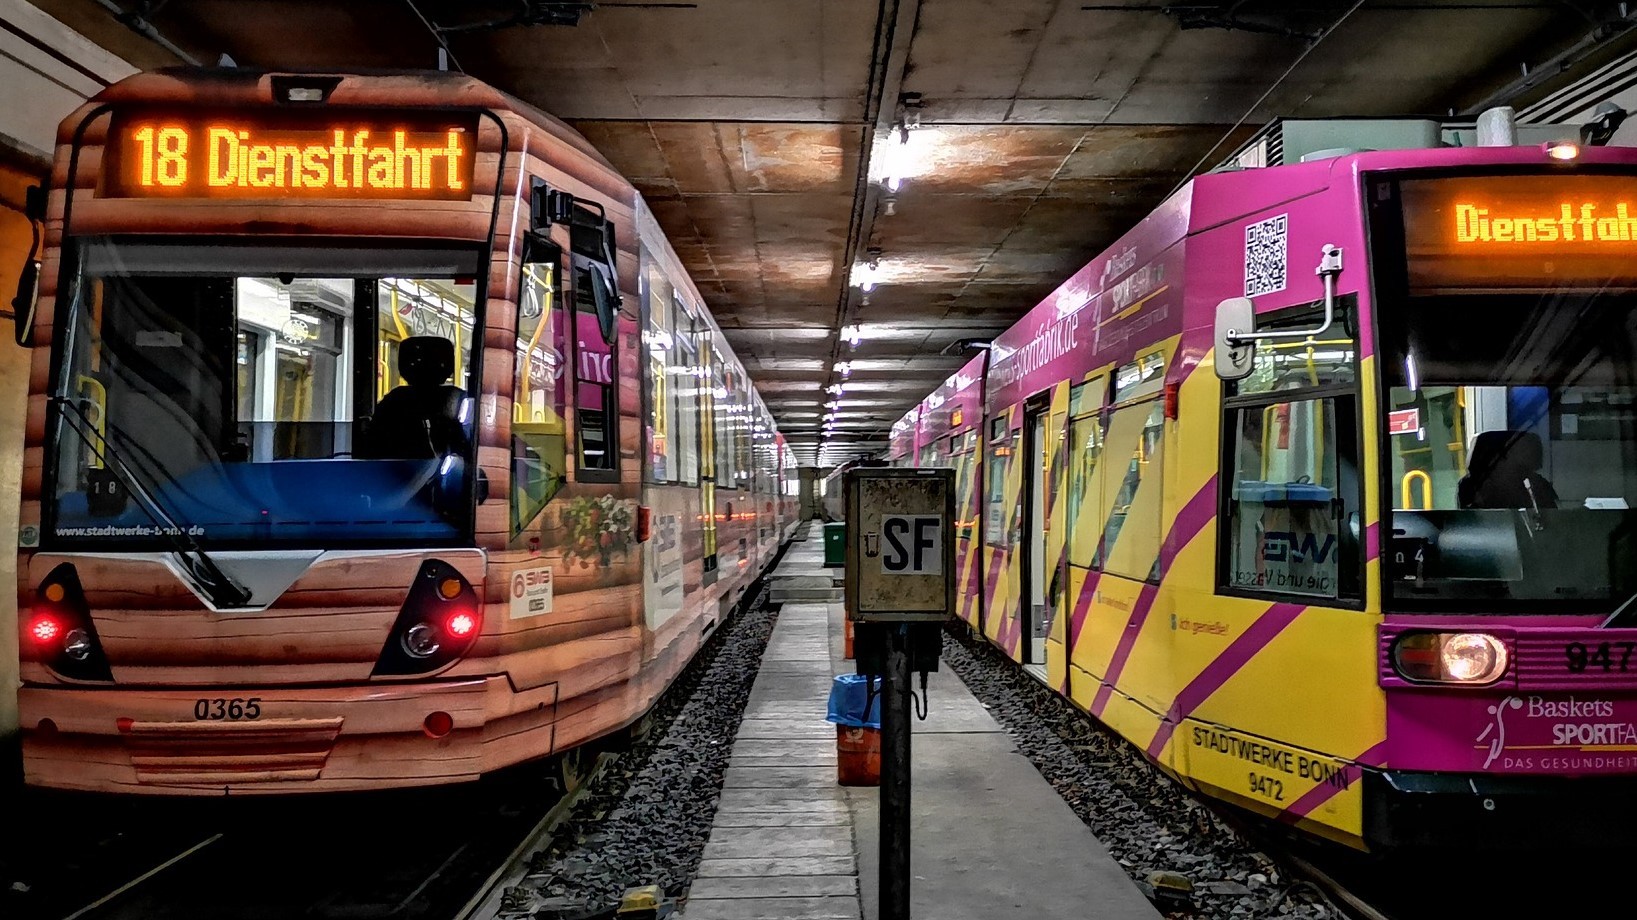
x: 782, y: 845
x: 991, y: 838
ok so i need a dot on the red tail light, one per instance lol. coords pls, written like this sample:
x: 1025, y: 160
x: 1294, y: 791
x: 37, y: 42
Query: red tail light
x: 438, y: 623
x: 58, y: 629
x: 461, y: 625
x: 45, y: 629
x: 1173, y: 396
x: 645, y: 523
x: 438, y: 724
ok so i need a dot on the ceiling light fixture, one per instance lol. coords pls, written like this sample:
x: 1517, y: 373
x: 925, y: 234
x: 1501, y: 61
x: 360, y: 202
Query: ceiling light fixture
x: 898, y: 160
x: 844, y: 368
x: 852, y: 334
x: 867, y: 274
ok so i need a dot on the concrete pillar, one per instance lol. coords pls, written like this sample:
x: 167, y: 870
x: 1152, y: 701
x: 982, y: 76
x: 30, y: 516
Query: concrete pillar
x: 809, y: 492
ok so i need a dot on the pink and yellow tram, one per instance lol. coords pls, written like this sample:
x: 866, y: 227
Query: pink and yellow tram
x: 376, y: 438
x: 1372, y: 576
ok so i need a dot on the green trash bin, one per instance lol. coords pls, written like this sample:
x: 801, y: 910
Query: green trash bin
x: 835, y: 544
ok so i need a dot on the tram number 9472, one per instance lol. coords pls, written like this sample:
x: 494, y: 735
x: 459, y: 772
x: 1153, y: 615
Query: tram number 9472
x: 1608, y: 656
x: 224, y: 710
x: 1267, y: 787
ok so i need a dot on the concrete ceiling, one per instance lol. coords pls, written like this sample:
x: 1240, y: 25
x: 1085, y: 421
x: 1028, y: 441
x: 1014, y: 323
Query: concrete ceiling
x: 754, y: 128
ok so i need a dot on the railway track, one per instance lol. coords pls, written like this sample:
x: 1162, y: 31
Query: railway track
x: 427, y: 853
x: 440, y: 852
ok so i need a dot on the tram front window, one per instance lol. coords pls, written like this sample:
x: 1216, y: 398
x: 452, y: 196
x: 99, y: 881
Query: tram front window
x: 1512, y: 430
x: 255, y: 395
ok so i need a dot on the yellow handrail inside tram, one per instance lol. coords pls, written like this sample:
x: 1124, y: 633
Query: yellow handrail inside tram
x: 1405, y: 491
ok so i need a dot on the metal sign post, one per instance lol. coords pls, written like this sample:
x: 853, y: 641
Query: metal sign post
x: 900, y: 588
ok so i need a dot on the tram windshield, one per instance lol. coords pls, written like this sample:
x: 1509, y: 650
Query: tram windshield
x: 253, y: 395
x: 1512, y: 427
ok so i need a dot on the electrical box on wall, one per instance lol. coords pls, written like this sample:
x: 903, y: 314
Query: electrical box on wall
x: 900, y: 545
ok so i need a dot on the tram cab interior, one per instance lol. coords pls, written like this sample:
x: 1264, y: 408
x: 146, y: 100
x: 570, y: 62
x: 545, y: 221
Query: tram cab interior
x: 289, y: 422
x: 1513, y: 452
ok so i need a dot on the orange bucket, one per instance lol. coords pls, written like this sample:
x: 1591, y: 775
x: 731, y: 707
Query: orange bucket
x: 858, y: 756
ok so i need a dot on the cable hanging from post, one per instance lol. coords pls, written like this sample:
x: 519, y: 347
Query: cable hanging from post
x: 921, y: 700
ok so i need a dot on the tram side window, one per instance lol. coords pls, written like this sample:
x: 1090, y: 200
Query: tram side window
x: 1002, y: 445
x: 1132, y: 487
x: 741, y: 430
x: 596, y: 359
x: 659, y: 346
x: 1323, y: 360
x: 596, y: 401
x: 722, y: 410
x: 539, y: 463
x: 1292, y: 522
x: 685, y: 385
x: 1085, y: 485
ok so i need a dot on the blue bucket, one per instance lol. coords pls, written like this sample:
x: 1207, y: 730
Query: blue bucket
x: 853, y: 704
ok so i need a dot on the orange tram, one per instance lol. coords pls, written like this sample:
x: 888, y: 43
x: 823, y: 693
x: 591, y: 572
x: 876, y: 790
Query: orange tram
x: 375, y: 438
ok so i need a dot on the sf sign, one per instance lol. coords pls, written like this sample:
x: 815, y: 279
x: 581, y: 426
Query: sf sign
x: 900, y: 546
x: 911, y: 544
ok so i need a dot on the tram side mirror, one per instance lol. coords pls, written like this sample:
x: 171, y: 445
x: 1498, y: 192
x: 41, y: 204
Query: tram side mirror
x: 22, y: 306
x: 607, y: 299
x: 548, y: 206
x: 28, y: 280
x: 1235, y: 356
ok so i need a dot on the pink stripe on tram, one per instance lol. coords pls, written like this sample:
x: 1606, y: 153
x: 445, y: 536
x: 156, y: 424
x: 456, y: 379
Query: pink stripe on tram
x: 1190, y: 521
x: 1122, y: 651
x: 1240, y: 651
x: 996, y: 560
x: 1082, y: 606
x: 1324, y: 791
x: 1200, y: 510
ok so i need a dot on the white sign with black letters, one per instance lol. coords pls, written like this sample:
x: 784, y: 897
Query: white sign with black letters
x: 912, y: 544
x: 900, y: 544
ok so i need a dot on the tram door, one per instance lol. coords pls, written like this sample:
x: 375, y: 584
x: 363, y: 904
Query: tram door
x: 1037, y: 615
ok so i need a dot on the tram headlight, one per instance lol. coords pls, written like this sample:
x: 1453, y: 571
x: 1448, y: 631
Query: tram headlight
x: 1451, y: 658
x: 77, y: 644
x: 421, y: 641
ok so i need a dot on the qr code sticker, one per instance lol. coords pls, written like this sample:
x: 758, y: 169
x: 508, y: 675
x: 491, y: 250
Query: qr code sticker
x: 1265, y: 248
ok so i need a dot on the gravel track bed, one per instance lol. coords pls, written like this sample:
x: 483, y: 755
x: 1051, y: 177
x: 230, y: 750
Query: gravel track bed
x: 1147, y: 822
x: 646, y: 819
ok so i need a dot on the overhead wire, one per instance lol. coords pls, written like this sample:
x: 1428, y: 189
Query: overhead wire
x: 437, y: 35
x: 1316, y: 42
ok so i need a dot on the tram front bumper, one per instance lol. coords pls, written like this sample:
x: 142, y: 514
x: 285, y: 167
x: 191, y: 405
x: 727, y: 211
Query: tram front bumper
x: 1450, y: 811
x: 222, y: 740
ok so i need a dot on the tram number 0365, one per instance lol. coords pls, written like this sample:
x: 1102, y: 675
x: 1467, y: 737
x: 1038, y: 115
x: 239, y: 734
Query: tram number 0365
x: 1608, y: 656
x: 223, y: 710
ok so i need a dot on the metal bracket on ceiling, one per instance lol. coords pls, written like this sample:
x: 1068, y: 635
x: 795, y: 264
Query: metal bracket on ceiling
x: 529, y: 13
x: 1224, y: 15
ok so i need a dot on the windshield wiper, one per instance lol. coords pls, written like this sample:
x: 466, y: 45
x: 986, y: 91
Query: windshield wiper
x: 219, y: 586
x: 1621, y: 614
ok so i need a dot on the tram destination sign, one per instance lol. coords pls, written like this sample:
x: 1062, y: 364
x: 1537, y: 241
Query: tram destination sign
x: 1529, y: 232
x: 900, y: 544
x: 425, y: 156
